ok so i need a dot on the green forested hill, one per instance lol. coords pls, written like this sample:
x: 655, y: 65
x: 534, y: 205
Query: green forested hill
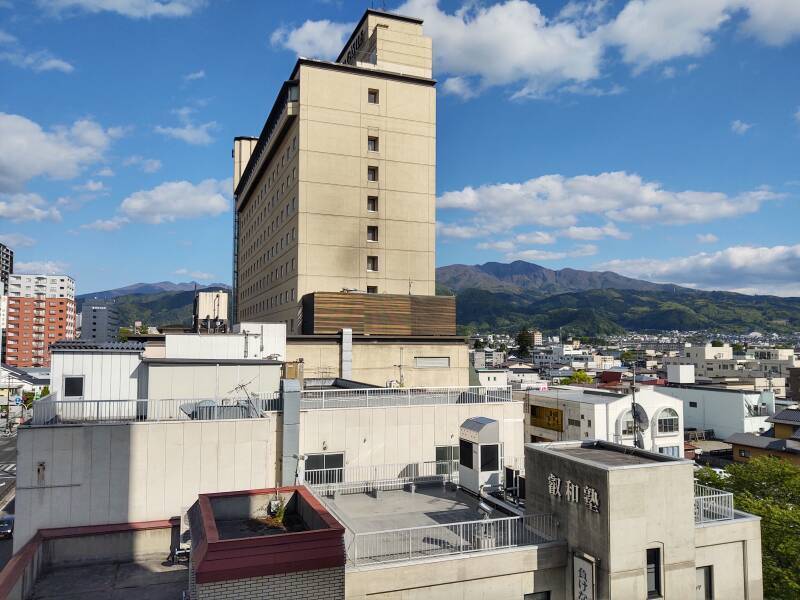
x: 610, y: 311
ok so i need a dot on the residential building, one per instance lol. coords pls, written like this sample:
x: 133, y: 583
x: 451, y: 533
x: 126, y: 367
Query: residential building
x: 99, y: 321
x: 723, y: 411
x: 481, y: 359
x: 575, y: 413
x: 536, y: 337
x: 41, y: 311
x: 492, y: 377
x: 6, y: 263
x: 338, y: 191
x: 782, y: 441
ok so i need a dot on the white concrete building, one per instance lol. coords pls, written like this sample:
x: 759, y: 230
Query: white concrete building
x: 725, y: 411
x: 575, y: 413
x: 492, y: 377
x: 21, y: 285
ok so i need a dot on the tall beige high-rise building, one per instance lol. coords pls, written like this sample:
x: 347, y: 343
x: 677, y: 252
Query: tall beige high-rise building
x: 338, y: 191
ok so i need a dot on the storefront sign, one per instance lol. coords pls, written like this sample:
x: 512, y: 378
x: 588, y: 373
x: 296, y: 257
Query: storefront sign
x: 572, y: 492
x: 582, y: 578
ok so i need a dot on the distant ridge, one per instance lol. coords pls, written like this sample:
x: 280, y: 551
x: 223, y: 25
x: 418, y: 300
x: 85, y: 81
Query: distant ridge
x: 151, y: 288
x: 521, y: 276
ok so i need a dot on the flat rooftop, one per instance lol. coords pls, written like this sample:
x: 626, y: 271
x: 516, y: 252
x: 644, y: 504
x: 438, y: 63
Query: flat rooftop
x: 605, y: 455
x: 430, y: 505
x: 154, y: 579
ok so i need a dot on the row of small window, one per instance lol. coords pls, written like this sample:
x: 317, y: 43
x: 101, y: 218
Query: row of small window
x: 668, y: 422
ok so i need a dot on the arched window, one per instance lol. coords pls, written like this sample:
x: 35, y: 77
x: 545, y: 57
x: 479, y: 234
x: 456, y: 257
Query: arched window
x: 667, y: 421
x: 627, y: 424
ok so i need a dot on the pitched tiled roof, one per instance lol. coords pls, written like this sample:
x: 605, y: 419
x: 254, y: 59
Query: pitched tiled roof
x: 787, y: 415
x: 88, y: 345
x: 761, y: 441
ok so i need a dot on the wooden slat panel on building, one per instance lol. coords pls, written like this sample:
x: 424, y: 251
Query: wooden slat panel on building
x: 379, y: 314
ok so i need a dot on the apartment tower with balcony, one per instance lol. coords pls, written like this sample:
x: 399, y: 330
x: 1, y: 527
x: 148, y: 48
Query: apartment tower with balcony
x: 337, y: 194
x: 41, y: 311
x: 6, y: 263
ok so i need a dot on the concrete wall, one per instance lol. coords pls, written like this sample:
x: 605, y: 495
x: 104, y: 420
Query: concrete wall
x: 232, y: 345
x: 501, y: 574
x: 199, y: 381
x: 377, y: 362
x: 106, y: 376
x: 402, y: 434
x: 322, y: 584
x: 97, y: 474
x: 733, y: 550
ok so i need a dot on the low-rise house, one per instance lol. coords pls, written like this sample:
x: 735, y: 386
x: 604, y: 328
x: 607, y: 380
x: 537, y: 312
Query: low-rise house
x: 782, y: 441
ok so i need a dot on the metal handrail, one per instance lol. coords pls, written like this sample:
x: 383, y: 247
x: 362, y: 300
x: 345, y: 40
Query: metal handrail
x: 382, y: 397
x: 711, y: 504
x: 411, y: 543
x: 50, y: 411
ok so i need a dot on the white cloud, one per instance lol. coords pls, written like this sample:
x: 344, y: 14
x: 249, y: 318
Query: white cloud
x: 512, y: 43
x: 7, y: 38
x: 178, y: 200
x: 92, y: 186
x: 28, y: 151
x: 106, y: 224
x: 508, y: 43
x: 44, y: 267
x: 199, y: 275
x: 654, y: 31
x: 105, y: 172
x: 39, y: 61
x: 129, y: 8
x: 774, y: 22
x: 546, y: 255
x: 201, y: 74
x: 746, y: 269
x: 797, y: 115
x: 707, y: 238
x: 16, y: 240
x: 740, y: 127
x: 594, y: 233
x: 313, y: 39
x: 558, y: 201
x: 189, y: 132
x: 148, y: 165
x: 27, y: 207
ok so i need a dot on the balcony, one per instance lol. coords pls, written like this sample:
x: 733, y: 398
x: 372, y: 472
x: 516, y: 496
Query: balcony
x: 711, y: 505
x: 382, y: 397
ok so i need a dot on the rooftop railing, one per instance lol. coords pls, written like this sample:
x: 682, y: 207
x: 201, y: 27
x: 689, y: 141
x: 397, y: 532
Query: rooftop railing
x: 413, y: 543
x: 711, y: 504
x: 382, y: 397
x: 352, y: 480
x: 51, y: 411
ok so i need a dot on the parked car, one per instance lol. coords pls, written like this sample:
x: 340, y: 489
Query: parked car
x: 6, y: 526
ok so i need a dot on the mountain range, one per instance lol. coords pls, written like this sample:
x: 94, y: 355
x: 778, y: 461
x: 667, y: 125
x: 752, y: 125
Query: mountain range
x: 504, y: 297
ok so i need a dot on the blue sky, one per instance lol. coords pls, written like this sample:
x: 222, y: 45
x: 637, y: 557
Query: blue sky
x: 657, y: 138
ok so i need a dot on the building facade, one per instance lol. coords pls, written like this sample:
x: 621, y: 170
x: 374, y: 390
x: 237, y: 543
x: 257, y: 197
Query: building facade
x: 338, y: 191
x: 99, y: 321
x: 6, y: 263
x: 574, y: 413
x: 40, y: 311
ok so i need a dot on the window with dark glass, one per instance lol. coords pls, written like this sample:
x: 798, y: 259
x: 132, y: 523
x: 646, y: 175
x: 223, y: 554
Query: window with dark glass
x: 372, y: 233
x: 373, y: 97
x: 372, y: 204
x: 73, y: 387
x: 653, y: 572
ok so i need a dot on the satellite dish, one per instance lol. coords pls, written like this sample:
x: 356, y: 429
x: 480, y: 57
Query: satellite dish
x: 639, y: 441
x: 640, y: 416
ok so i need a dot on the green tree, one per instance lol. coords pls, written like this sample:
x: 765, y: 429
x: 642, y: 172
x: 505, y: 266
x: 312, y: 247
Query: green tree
x: 579, y: 377
x: 628, y: 357
x: 739, y: 348
x: 768, y: 487
x: 524, y: 341
x: 479, y: 345
x: 45, y: 391
x: 717, y: 343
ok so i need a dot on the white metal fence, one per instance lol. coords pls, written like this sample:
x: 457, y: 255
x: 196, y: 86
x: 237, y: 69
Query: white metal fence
x: 711, y: 504
x: 453, y: 538
x: 50, y: 411
x: 380, y: 397
x: 352, y: 480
